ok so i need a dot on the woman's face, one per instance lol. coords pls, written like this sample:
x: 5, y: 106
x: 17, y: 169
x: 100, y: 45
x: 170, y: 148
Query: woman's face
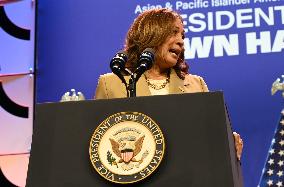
x: 169, y: 52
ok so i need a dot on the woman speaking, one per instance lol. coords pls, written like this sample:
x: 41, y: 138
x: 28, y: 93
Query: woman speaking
x: 161, y: 30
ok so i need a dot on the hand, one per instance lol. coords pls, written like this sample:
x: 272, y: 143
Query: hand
x: 238, y: 145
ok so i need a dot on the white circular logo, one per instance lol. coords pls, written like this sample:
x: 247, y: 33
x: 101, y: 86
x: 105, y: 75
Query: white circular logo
x: 126, y: 147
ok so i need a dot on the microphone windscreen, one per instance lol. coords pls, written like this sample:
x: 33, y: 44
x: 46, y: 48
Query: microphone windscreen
x: 147, y: 58
x: 119, y: 60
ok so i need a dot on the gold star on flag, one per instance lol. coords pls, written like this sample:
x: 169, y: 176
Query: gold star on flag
x: 282, y: 112
x: 281, y: 152
x: 282, y: 122
x: 282, y: 132
x: 281, y: 142
x: 280, y: 163
x: 280, y: 173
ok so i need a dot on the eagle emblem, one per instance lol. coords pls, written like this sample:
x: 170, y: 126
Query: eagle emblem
x: 277, y: 85
x: 126, y: 148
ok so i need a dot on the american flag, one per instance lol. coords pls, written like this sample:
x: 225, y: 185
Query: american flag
x: 273, y: 172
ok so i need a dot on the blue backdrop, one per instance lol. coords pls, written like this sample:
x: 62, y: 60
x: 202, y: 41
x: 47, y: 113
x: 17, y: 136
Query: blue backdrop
x: 235, y: 48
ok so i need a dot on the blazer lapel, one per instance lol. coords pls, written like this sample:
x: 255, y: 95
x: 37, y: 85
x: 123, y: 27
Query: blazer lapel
x: 176, y: 84
x: 142, y: 88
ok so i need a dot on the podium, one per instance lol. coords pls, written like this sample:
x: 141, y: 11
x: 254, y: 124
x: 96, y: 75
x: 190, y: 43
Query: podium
x: 199, y: 149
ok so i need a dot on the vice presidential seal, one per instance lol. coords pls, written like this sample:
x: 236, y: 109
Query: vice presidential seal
x: 127, y: 147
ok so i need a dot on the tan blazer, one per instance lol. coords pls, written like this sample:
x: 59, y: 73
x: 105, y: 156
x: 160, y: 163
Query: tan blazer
x: 110, y: 86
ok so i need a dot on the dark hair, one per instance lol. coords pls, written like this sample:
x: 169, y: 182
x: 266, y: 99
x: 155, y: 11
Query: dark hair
x: 150, y: 30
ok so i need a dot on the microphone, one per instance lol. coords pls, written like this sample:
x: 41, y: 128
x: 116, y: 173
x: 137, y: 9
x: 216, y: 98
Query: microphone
x: 145, y: 62
x: 117, y: 64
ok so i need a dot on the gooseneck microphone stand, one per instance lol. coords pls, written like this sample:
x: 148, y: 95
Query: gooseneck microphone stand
x: 117, y: 66
x: 132, y: 85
